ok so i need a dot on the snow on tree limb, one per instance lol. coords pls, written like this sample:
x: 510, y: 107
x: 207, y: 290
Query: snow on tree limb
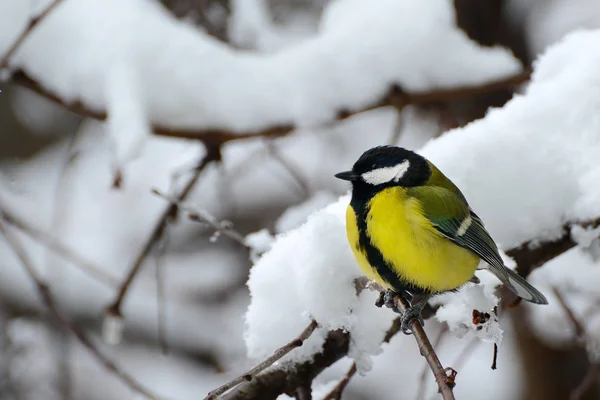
x: 218, y: 89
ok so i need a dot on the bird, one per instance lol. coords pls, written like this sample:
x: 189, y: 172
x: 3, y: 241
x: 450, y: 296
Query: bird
x: 412, y: 230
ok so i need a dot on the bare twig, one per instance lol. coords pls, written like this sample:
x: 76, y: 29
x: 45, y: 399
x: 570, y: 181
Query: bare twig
x: 292, y: 170
x: 217, y: 137
x: 277, y: 355
x: 423, y: 377
x: 161, y: 315
x: 33, y: 22
x: 47, y: 299
x: 57, y: 247
x: 582, y: 336
x: 212, y: 154
x: 425, y: 347
x: 336, y: 392
x: 220, y: 227
x: 586, y: 383
x: 495, y: 356
x: 578, y: 326
x: 270, y: 384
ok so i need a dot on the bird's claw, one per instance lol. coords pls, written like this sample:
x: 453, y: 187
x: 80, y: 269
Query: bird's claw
x: 388, y: 299
x: 413, y: 313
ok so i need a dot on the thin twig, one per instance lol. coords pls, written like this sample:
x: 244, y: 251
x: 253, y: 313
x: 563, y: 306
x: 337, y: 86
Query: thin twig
x: 425, y: 347
x: 114, y: 309
x: 33, y: 22
x: 53, y: 244
x: 301, y: 181
x: 336, y: 392
x: 277, y: 355
x: 582, y: 336
x: 423, y: 377
x: 586, y: 383
x: 161, y: 315
x: 495, y: 356
x: 48, y: 300
x: 220, y: 227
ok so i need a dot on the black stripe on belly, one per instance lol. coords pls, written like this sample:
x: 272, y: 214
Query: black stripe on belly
x: 375, y: 257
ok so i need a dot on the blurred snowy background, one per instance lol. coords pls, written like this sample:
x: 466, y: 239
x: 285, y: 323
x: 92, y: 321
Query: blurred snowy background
x: 105, y: 102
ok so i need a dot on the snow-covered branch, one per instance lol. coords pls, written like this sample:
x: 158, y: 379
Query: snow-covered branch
x: 130, y: 83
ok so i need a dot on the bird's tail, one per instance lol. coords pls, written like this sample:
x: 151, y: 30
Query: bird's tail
x: 521, y: 287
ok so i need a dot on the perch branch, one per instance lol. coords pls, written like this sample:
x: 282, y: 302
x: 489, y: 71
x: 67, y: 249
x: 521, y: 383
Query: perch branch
x: 425, y: 347
x: 277, y: 355
x: 33, y: 22
x: 212, y: 154
x: 216, y: 137
x: 48, y: 300
x: 270, y: 384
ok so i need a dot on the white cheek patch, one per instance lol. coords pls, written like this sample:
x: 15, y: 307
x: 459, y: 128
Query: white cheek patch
x: 386, y: 174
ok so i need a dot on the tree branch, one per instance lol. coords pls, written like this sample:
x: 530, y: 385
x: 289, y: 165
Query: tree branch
x: 114, y: 310
x: 33, y: 22
x: 47, y: 299
x: 286, y: 379
x: 277, y: 355
x: 270, y: 384
x: 425, y: 347
x: 57, y: 247
x: 216, y: 137
x: 533, y: 254
x: 336, y: 392
x: 581, y: 336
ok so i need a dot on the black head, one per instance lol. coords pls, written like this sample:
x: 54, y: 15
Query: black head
x: 386, y: 166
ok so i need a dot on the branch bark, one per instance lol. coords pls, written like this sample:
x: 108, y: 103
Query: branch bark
x: 533, y: 254
x: 425, y: 347
x: 170, y: 212
x: 33, y: 22
x: 216, y: 137
x: 277, y: 355
x: 286, y: 379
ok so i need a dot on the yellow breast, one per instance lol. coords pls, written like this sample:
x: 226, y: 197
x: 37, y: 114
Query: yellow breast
x: 410, y: 244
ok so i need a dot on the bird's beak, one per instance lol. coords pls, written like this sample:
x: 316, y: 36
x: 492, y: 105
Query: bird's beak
x: 347, y: 176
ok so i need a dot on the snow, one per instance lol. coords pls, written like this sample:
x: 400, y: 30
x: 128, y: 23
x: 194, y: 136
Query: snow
x: 505, y: 174
x: 305, y: 84
x: 309, y: 273
x: 526, y: 169
x: 546, y: 22
x: 125, y: 114
x: 457, y: 311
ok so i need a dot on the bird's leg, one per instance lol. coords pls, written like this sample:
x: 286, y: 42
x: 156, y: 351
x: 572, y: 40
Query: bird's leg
x: 414, y: 312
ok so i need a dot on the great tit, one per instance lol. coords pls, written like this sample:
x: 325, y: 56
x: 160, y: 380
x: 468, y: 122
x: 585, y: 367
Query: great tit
x: 412, y: 230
